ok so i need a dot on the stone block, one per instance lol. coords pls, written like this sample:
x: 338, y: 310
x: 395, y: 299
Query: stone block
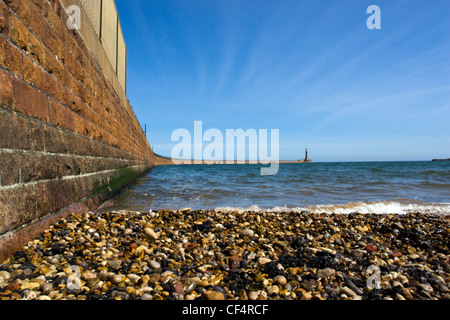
x: 30, y: 16
x: 10, y: 57
x: 6, y: 90
x: 61, y: 116
x: 17, y: 207
x: 14, y: 132
x: 30, y: 101
x: 35, y: 167
x: 59, y: 194
x: 4, y: 20
x: 9, y: 169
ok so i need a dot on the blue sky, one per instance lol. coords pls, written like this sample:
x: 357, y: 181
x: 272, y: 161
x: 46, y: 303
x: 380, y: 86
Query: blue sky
x: 311, y: 69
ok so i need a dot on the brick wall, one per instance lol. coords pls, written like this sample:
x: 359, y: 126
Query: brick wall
x: 68, y: 139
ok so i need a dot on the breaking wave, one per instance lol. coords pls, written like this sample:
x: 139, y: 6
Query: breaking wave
x: 383, y: 207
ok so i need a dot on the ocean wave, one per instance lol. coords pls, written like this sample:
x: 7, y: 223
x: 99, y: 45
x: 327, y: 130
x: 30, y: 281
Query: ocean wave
x: 383, y: 207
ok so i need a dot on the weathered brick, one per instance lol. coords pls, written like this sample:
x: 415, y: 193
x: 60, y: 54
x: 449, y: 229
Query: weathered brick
x: 19, y: 33
x: 54, y: 67
x: 97, y: 107
x: 56, y: 141
x: 61, y: 116
x: 85, y: 147
x: 37, y: 137
x: 26, y: 41
x: 75, y: 103
x: 69, y: 166
x: 53, y: 19
x: 6, y: 90
x: 37, y: 76
x: 39, y: 4
x: 74, y: 85
x: 52, y: 41
x: 9, y: 170
x: 57, y: 8
x: 42, y: 205
x: 4, y: 20
x: 35, y: 167
x: 34, y: 74
x: 29, y: 14
x: 57, y: 90
x: 17, y: 207
x: 30, y: 101
x: 14, y: 5
x: 14, y: 133
x: 10, y: 57
x: 59, y: 194
x: 83, y: 126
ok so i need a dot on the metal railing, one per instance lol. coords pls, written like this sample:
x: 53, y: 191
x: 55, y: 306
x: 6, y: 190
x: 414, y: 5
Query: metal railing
x: 104, y: 18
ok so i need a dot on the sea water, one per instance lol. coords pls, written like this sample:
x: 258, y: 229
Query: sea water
x: 340, y: 187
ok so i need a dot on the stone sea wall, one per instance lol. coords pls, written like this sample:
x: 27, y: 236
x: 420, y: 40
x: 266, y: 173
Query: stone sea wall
x: 69, y: 138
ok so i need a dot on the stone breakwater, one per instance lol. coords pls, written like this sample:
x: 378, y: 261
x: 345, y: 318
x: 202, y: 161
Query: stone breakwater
x: 190, y: 255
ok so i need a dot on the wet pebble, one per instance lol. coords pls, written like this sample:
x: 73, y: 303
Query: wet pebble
x: 212, y: 295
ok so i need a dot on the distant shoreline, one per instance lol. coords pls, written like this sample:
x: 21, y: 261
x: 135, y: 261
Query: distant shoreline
x: 161, y: 160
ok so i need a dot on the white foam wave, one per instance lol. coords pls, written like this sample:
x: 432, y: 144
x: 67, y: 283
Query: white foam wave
x: 384, y: 207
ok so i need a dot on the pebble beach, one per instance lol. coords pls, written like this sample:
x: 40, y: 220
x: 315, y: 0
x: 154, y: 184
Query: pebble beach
x: 236, y: 255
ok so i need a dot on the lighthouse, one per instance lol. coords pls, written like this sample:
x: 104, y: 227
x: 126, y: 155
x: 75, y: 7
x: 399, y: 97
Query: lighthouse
x: 307, y: 156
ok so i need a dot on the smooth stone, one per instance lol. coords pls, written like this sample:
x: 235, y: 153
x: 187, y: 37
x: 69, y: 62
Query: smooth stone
x: 88, y: 275
x: 273, y: 290
x: 358, y: 253
x: 212, y: 295
x: 30, y: 286
x: 146, y: 296
x: 235, y: 261
x: 189, y: 287
x: 46, y: 288
x: 116, y: 279
x: 61, y: 280
x: 155, y: 265
x: 30, y: 295
x: 253, y: 295
x: 5, y: 275
x: 398, y: 296
x: 202, y: 283
x: 247, y: 232
x: 425, y: 287
x: 371, y: 248
x: 38, y: 280
x: 325, y: 273
x: 150, y: 234
x: 16, y: 273
x: 134, y: 278
x: 263, y: 261
x: 406, y: 292
x: 178, y: 288
x: 347, y: 291
x: 280, y: 280
x: 306, y: 296
x: 114, y: 264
